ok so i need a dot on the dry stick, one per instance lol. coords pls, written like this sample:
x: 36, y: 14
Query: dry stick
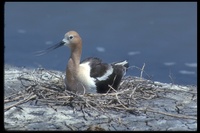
x: 92, y: 106
x: 17, y: 93
x: 9, y: 97
x: 47, y: 89
x: 83, y: 112
x: 121, y: 82
x: 52, y: 101
x: 14, y: 99
x: 117, y: 97
x: 20, y: 102
x: 171, y: 78
x: 82, y: 98
x: 120, y: 102
x: 173, y: 115
x: 142, y: 70
x: 112, y: 88
x: 159, y: 112
x: 63, y: 97
x: 109, y: 94
x: 133, y: 90
x: 70, y: 127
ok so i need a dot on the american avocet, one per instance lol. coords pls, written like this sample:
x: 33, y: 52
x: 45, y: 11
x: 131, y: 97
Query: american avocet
x: 90, y: 75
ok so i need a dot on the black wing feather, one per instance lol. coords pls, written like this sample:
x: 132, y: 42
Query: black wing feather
x: 98, y: 68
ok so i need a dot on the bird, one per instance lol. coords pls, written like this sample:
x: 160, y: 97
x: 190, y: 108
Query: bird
x: 90, y: 75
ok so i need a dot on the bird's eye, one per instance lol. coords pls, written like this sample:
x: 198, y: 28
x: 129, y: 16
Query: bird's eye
x: 71, y: 37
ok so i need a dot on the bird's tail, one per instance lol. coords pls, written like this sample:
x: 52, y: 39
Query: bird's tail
x: 122, y: 66
x: 122, y: 63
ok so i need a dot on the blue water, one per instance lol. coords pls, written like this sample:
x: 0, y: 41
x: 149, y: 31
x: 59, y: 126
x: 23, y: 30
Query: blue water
x: 163, y: 35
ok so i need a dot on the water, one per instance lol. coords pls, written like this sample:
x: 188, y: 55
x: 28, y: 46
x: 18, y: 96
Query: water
x: 163, y: 35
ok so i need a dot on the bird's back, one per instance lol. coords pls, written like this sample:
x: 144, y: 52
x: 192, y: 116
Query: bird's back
x: 114, y: 79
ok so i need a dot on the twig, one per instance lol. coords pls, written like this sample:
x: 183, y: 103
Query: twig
x: 160, y: 112
x: 171, y: 78
x: 142, y: 70
x: 133, y: 90
x: 20, y: 102
x: 86, y: 101
x: 108, y: 94
x: 173, y: 115
x: 13, y: 95
x: 63, y: 97
x: 70, y: 127
x: 120, y: 102
x: 116, y: 95
x: 14, y: 99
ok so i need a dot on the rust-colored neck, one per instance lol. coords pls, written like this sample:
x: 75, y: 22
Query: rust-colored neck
x: 76, y: 55
x: 73, y: 65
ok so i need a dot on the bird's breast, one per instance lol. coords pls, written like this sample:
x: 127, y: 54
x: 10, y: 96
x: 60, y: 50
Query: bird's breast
x: 83, y: 76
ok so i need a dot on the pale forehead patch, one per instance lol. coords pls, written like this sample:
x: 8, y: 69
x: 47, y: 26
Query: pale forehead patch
x: 65, y: 40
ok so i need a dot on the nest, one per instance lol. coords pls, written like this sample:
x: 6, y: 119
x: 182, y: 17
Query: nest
x: 48, y: 87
